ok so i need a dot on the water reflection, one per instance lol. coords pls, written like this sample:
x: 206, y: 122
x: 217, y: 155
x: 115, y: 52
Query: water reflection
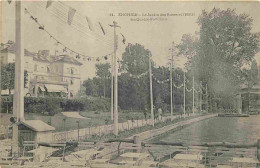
x: 219, y: 129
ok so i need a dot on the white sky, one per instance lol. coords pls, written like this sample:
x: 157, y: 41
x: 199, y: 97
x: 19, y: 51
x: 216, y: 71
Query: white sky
x: 156, y: 36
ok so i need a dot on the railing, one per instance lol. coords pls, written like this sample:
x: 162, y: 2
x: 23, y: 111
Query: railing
x: 105, y: 129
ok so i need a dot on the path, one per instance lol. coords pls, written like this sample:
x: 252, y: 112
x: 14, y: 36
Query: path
x: 73, y: 115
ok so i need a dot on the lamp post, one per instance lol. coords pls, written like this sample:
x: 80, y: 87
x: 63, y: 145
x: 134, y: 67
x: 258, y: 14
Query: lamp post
x: 112, y: 88
x: 193, y: 96
x: 115, y: 95
x: 18, y: 105
x: 151, y: 89
x: 184, y: 95
x: 171, y: 81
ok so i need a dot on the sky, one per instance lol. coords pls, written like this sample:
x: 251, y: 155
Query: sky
x: 157, y: 35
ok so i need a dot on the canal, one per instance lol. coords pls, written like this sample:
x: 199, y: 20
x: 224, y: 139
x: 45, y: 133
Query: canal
x: 218, y: 129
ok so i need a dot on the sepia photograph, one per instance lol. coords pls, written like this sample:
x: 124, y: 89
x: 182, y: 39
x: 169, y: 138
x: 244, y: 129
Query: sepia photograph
x: 129, y: 84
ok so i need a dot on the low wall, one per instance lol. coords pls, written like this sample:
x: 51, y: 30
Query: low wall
x: 156, y: 132
x: 105, y: 129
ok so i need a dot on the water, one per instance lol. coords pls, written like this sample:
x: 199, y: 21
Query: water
x: 219, y: 129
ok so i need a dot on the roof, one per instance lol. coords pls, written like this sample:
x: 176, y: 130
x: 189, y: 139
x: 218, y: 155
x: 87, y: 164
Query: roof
x: 11, y: 49
x: 37, y: 125
x: 29, y: 53
x: 68, y: 59
x: 42, y: 55
x: 41, y: 58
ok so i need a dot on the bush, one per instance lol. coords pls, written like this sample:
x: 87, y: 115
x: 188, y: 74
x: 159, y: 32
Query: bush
x: 54, y: 105
x: 74, y: 105
x: 7, y: 103
x: 100, y: 104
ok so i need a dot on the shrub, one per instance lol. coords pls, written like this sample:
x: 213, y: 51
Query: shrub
x: 74, y: 105
x: 54, y: 105
x: 7, y: 103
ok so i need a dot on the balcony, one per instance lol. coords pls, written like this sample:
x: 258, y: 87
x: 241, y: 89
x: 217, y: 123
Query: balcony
x: 48, y: 80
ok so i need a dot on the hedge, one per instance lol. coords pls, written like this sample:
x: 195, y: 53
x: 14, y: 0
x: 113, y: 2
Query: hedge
x: 54, y: 105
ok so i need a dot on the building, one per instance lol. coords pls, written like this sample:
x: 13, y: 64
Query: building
x: 248, y: 100
x: 47, y: 74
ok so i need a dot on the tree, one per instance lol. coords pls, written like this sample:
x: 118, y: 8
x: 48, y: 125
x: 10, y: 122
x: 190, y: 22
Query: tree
x: 161, y: 87
x: 8, y: 76
x: 102, y: 71
x: 250, y: 74
x: 91, y: 89
x: 224, y: 46
x: 134, y: 84
x: 135, y: 59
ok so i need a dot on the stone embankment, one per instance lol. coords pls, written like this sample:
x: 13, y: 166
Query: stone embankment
x: 157, y: 132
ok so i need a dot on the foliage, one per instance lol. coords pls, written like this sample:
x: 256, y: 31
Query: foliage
x: 102, y: 72
x: 54, y: 105
x: 135, y: 59
x: 8, y: 75
x: 90, y: 87
x: 220, y: 55
x: 224, y: 46
x: 133, y: 91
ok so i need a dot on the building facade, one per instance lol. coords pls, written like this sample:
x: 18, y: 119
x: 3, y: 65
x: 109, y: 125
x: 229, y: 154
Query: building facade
x: 248, y: 100
x: 56, y: 75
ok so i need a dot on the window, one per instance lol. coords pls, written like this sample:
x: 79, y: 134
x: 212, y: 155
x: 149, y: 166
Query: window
x: 71, y: 95
x: 48, y: 69
x: 71, y: 82
x: 57, y: 68
x: 71, y: 71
